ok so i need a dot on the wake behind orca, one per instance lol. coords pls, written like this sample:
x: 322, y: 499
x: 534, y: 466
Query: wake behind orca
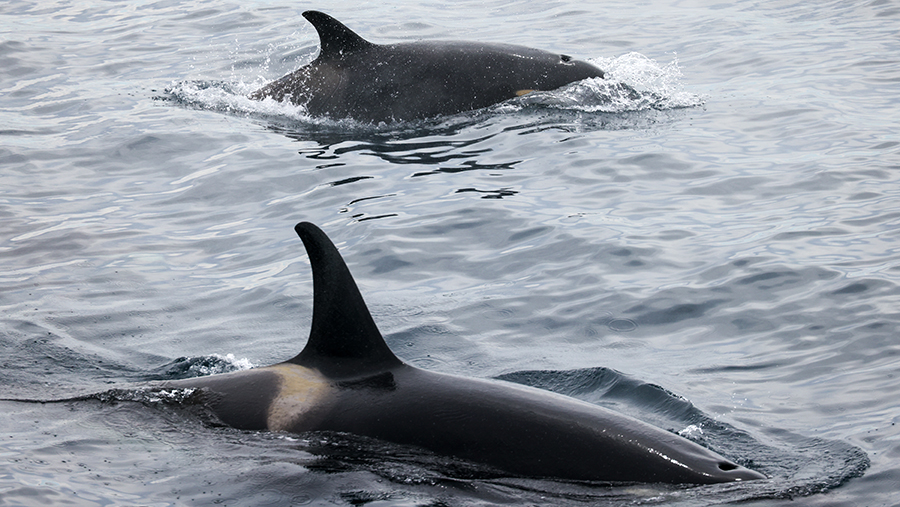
x: 354, y: 78
x: 346, y: 379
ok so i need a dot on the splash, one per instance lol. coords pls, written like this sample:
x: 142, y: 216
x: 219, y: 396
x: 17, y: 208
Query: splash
x: 230, y: 98
x: 633, y: 83
x: 647, y: 76
x: 188, y: 367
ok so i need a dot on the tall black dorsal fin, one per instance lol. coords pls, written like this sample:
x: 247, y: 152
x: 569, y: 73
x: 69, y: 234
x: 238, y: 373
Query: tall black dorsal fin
x: 344, y: 340
x: 335, y: 39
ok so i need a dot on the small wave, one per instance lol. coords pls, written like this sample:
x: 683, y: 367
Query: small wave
x: 145, y: 396
x: 188, y: 367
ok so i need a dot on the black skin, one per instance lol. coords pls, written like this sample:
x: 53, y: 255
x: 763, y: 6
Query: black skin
x: 354, y: 78
x: 521, y: 430
x: 361, y: 387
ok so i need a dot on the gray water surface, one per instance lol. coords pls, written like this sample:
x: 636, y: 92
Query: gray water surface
x: 719, y: 256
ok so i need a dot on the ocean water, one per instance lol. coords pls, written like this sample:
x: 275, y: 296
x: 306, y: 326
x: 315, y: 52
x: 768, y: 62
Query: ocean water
x: 717, y: 254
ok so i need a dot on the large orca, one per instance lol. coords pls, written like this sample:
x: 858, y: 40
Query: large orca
x: 354, y: 78
x: 346, y: 379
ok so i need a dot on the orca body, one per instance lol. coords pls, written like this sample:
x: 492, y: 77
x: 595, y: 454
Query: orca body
x: 346, y: 379
x: 354, y: 78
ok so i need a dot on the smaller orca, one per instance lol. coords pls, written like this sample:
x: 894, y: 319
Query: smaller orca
x: 354, y: 78
x: 346, y: 379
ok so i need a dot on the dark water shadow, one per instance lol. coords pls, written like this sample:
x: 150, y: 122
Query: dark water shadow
x: 462, y: 143
x: 451, y: 144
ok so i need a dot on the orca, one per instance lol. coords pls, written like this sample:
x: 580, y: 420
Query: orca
x: 347, y: 379
x: 354, y: 78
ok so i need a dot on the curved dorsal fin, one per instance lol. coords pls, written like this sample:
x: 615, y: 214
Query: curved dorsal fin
x: 344, y: 340
x: 335, y: 39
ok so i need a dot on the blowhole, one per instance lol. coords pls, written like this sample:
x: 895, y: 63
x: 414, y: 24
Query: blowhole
x: 565, y: 58
x: 725, y: 466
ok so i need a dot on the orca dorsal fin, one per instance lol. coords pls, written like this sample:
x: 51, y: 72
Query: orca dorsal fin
x: 335, y: 39
x: 343, y: 340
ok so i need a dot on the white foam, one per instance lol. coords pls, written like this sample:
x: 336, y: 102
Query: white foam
x: 647, y: 76
x: 233, y: 98
x: 237, y: 364
x: 692, y: 431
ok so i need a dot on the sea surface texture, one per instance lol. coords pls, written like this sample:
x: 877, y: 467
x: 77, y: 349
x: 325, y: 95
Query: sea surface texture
x: 716, y: 252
